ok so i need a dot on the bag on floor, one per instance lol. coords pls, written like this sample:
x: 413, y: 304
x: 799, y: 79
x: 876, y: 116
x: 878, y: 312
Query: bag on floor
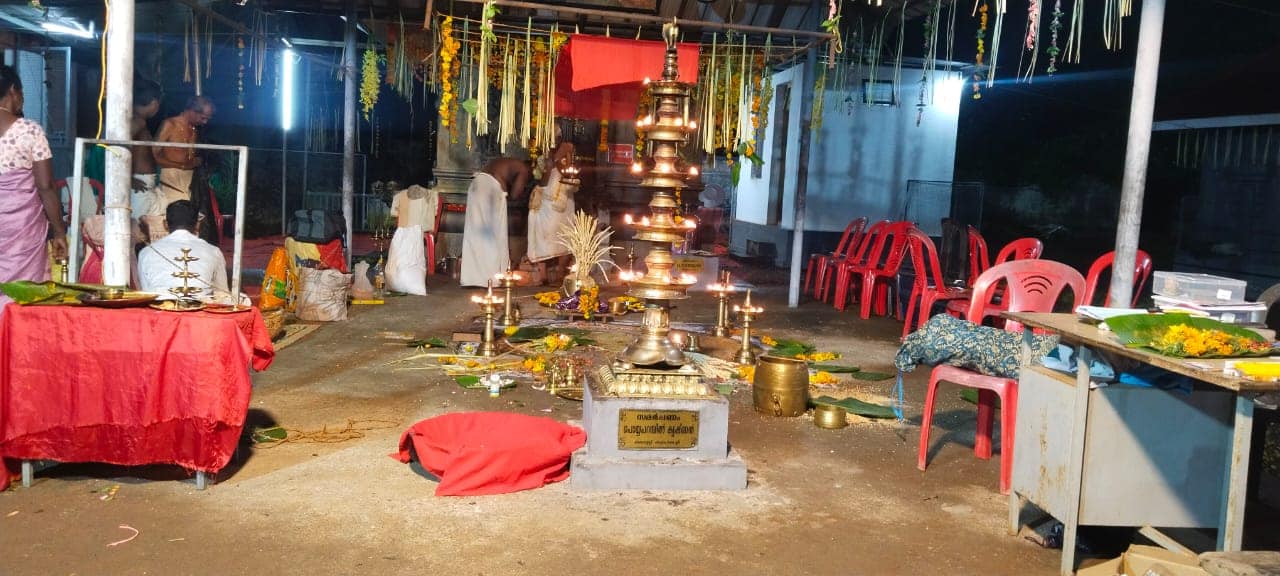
x: 407, y: 262
x: 276, y: 284
x: 322, y: 295
x: 316, y: 226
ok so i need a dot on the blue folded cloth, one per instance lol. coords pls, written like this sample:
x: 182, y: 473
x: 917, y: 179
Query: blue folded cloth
x: 1148, y: 376
x: 1062, y: 359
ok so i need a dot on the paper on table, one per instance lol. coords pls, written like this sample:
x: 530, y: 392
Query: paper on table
x: 1102, y: 313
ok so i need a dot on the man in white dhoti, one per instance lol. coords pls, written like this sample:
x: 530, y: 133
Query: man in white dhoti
x: 485, y: 253
x: 550, y: 207
x: 156, y: 263
x: 415, y: 211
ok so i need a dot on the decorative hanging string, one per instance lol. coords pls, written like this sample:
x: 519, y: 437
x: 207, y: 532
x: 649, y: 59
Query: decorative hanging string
x: 897, y: 62
x: 1001, y: 6
x: 208, y: 47
x: 186, y: 51
x: 951, y: 33
x: 709, y: 105
x: 1075, y: 39
x: 528, y: 59
x: 744, y: 100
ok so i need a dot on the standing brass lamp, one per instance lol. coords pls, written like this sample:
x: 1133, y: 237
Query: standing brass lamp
x: 722, y: 290
x: 746, y: 314
x: 510, y: 314
x: 489, y: 305
x: 187, y: 291
x: 664, y: 172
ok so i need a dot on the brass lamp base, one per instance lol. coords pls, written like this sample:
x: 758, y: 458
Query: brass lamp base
x: 652, y: 346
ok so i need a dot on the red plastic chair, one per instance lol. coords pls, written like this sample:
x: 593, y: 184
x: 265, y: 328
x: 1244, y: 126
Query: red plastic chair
x: 979, y: 260
x: 855, y: 252
x: 852, y: 233
x: 1032, y: 286
x: 1141, y: 271
x: 429, y: 237
x: 877, y: 272
x: 1020, y: 249
x: 928, y: 288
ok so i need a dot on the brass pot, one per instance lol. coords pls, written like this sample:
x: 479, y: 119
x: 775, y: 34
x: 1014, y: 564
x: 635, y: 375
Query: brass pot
x: 829, y: 417
x: 781, y: 386
x: 617, y: 307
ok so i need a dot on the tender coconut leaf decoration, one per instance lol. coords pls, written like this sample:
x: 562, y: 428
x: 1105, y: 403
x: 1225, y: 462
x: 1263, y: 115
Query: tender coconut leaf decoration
x: 588, y: 244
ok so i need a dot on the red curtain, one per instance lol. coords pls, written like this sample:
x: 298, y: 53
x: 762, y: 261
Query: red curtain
x: 599, y: 77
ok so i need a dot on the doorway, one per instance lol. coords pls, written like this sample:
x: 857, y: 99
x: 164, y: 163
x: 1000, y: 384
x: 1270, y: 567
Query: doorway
x: 781, y: 136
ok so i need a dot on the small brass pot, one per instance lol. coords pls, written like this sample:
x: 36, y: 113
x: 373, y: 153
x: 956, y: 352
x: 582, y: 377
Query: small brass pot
x: 617, y: 307
x: 830, y: 417
x: 781, y: 386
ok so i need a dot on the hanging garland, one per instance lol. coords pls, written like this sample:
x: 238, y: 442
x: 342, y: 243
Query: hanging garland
x: 982, y: 50
x: 1054, y: 26
x: 369, y: 81
x: 1075, y: 39
x: 448, y: 72
x: 240, y: 73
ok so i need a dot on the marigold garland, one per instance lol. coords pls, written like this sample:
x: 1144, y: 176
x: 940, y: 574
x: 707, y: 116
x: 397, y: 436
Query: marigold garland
x: 589, y: 301
x: 547, y: 298
x: 982, y: 50
x: 823, y: 377
x: 448, y: 71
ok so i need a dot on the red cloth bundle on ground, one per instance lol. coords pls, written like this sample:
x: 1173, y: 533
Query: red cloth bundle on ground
x: 477, y: 453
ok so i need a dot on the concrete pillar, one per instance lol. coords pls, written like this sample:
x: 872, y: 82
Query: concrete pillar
x: 117, y: 241
x: 802, y: 174
x: 1146, y: 71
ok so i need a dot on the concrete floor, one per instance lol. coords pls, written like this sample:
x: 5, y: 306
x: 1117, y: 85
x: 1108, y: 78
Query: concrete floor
x: 846, y: 501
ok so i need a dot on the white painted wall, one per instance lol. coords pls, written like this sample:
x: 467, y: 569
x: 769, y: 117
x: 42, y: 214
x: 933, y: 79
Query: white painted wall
x: 859, y: 164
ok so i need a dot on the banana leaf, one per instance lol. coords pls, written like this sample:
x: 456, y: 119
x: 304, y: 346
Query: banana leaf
x: 1141, y: 330
x: 27, y: 292
x: 791, y: 348
x: 531, y: 333
x: 855, y: 406
x: 265, y: 435
x: 835, y: 368
x: 870, y: 376
x: 427, y: 343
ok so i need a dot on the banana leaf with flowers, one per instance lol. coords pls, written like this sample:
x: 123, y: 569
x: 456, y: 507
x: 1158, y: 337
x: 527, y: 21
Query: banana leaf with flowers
x: 1186, y: 336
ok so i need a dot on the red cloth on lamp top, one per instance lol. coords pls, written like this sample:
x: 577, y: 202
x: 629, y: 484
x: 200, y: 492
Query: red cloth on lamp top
x: 128, y: 387
x: 477, y: 453
x: 599, y: 77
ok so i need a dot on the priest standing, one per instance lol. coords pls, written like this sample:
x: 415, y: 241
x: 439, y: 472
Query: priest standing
x: 485, y: 252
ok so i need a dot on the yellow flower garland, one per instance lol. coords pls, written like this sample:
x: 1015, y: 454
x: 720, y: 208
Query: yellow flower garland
x: 448, y: 71
x: 370, y: 82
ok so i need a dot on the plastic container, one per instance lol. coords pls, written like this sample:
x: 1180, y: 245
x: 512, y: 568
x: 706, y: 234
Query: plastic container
x: 1198, y: 288
x: 1236, y: 313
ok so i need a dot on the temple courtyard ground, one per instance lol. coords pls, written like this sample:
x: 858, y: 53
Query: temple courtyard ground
x: 847, y: 501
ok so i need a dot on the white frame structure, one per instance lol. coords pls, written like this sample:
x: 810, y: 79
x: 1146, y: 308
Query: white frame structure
x: 74, y: 241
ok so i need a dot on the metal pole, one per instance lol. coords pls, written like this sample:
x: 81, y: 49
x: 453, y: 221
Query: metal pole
x: 117, y: 239
x: 802, y: 176
x: 236, y: 258
x: 349, y: 126
x: 1146, y: 70
x: 284, y: 182
x: 306, y: 140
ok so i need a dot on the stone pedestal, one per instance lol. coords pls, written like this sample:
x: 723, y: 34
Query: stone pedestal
x: 655, y: 443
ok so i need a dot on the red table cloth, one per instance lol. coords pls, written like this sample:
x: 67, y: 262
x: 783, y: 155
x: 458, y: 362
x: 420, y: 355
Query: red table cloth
x: 130, y: 387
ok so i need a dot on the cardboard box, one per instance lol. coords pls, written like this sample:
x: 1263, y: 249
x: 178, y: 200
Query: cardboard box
x: 1138, y: 560
x: 1111, y: 567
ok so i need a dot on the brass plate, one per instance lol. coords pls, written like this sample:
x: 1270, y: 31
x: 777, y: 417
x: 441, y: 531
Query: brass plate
x: 574, y: 394
x: 657, y: 429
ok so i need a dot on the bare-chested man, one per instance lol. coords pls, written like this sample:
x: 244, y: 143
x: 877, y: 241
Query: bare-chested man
x: 484, y: 235
x: 178, y: 164
x: 146, y: 201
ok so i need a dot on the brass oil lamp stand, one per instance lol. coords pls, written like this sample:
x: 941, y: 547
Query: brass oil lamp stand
x: 488, y: 305
x: 746, y: 314
x: 186, y: 292
x: 722, y: 290
x: 510, y: 313
x: 666, y: 128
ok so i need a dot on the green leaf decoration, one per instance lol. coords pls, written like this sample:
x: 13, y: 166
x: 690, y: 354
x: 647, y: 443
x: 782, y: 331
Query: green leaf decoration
x: 1142, y: 330
x: 835, y: 369
x: 528, y: 333
x: 467, y: 381
x: 428, y: 343
x: 870, y: 376
x: 28, y: 292
x: 791, y: 348
x: 735, y: 172
x: 471, y: 105
x: 272, y: 434
x: 855, y: 406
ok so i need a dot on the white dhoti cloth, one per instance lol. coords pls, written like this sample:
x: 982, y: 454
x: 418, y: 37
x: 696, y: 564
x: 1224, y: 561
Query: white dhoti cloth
x: 407, y: 262
x: 554, y: 210
x: 175, y: 184
x: 148, y: 207
x: 484, y: 234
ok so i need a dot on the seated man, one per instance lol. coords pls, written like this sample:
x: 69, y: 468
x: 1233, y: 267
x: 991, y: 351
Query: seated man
x: 156, y: 264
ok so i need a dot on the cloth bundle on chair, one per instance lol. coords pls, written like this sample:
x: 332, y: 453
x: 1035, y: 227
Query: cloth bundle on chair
x: 481, y: 453
x: 1032, y: 286
x: 945, y: 340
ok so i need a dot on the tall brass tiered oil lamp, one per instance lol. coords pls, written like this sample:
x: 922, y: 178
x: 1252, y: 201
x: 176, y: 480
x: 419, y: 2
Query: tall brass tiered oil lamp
x: 186, y: 291
x: 666, y: 128
x: 746, y: 314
